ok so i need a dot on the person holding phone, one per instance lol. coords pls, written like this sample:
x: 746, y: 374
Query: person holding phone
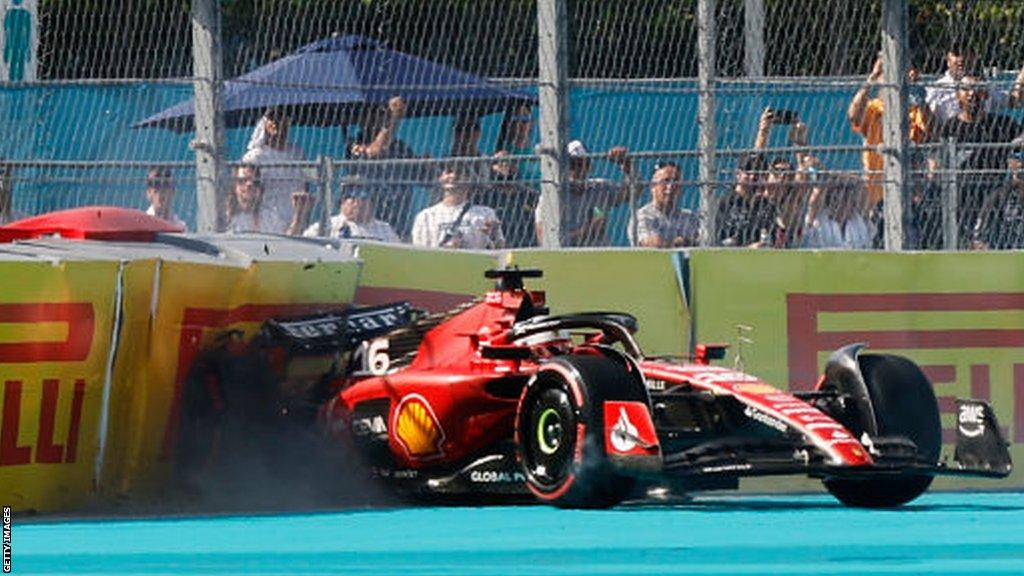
x: 865, y: 116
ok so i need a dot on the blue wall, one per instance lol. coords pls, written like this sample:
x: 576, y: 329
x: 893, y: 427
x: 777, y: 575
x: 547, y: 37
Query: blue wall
x: 92, y: 122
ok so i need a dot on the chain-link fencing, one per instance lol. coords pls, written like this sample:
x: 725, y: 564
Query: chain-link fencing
x: 798, y: 115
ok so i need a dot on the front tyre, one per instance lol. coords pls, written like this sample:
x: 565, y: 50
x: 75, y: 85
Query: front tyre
x: 904, y: 405
x: 560, y: 431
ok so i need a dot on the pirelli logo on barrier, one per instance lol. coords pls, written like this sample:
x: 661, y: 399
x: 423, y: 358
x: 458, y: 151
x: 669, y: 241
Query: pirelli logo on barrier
x: 53, y: 337
x: 964, y: 341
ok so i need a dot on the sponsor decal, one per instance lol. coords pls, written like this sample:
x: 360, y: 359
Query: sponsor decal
x: 629, y: 429
x: 48, y: 450
x: 972, y: 420
x: 495, y: 477
x: 726, y: 468
x: 756, y: 388
x: 366, y: 426
x: 656, y: 385
x: 758, y: 416
x: 417, y: 429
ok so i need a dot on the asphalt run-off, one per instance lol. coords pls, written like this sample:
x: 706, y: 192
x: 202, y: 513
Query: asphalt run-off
x: 961, y: 533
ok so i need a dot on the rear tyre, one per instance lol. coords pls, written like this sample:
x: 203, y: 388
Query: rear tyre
x: 905, y: 406
x: 560, y: 431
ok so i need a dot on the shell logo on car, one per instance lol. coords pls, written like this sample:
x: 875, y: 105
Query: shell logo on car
x: 417, y: 429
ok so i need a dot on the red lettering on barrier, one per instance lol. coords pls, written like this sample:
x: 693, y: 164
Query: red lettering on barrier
x: 10, y: 453
x: 46, y: 451
x: 805, y: 341
x: 980, y: 388
x: 195, y: 321
x: 78, y: 316
x: 76, y: 421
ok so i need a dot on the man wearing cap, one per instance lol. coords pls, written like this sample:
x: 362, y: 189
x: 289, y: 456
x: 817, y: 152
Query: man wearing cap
x: 1000, y: 224
x: 661, y: 223
x: 355, y: 218
x: 583, y: 209
x: 160, y: 193
x: 455, y: 222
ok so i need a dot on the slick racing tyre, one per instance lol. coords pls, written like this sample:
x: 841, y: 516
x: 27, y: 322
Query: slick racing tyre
x: 905, y: 406
x: 560, y: 431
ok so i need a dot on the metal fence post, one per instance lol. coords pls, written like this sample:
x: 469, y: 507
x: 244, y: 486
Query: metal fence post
x: 753, y: 38
x: 894, y: 119
x: 706, y: 118
x: 326, y: 175
x: 553, y: 94
x: 209, y: 120
x: 950, y: 198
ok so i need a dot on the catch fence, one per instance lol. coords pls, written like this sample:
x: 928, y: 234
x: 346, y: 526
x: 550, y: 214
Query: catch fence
x: 680, y: 81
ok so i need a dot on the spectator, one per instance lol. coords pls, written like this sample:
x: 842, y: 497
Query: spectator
x: 160, y: 193
x: 455, y: 222
x: 268, y: 148
x: 974, y: 125
x: 513, y: 201
x: 1000, y: 224
x: 747, y: 216
x: 835, y: 216
x: 355, y: 218
x: 786, y: 190
x: 466, y: 134
x: 514, y: 137
x: 7, y: 212
x: 865, y: 115
x: 246, y: 211
x: 942, y: 98
x: 583, y: 208
x: 391, y: 185
x: 661, y: 223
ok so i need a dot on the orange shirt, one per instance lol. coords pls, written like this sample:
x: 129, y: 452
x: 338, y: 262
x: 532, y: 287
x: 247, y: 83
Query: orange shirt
x: 871, y: 129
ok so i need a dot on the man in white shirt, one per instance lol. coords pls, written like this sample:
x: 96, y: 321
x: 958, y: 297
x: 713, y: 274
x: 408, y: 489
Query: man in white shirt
x: 355, y: 218
x: 941, y: 97
x: 160, y: 193
x: 661, y: 223
x: 455, y: 222
x: 269, y: 146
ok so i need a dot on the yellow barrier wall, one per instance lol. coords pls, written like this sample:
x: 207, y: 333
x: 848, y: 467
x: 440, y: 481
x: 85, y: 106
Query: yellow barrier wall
x: 55, y: 328
x: 959, y: 315
x: 435, y: 280
x: 218, y: 299
x: 644, y: 283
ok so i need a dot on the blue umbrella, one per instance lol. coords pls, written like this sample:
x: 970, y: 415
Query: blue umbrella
x: 332, y: 81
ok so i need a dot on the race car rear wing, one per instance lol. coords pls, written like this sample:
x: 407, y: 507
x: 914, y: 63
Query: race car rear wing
x: 339, y: 330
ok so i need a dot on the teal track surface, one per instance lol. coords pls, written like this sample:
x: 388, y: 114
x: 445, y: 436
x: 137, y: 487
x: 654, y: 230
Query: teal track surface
x: 958, y: 533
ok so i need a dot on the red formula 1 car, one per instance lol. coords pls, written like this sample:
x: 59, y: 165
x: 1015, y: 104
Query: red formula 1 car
x: 501, y: 398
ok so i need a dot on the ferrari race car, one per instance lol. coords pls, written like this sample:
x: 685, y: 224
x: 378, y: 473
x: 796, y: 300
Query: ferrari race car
x: 499, y: 398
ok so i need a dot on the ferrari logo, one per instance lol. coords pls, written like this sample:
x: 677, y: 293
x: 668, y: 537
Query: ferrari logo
x: 417, y: 429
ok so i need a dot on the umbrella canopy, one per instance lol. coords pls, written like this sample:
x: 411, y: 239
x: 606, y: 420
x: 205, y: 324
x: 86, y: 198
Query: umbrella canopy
x: 90, y: 223
x: 331, y: 81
